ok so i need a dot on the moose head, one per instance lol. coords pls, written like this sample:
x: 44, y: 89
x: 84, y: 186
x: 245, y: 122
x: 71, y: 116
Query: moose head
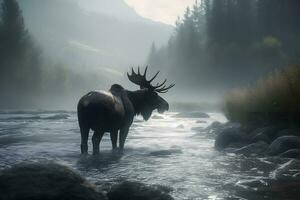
x: 149, y: 99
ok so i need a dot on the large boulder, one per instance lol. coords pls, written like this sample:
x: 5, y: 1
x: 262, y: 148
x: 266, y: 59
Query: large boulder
x: 266, y: 134
x: 216, y: 127
x: 292, y: 153
x: 129, y: 190
x: 228, y: 136
x: 283, y: 144
x: 288, y: 131
x: 46, y: 181
x: 258, y: 148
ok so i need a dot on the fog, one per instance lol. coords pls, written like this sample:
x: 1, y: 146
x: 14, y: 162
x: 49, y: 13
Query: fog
x: 54, y: 51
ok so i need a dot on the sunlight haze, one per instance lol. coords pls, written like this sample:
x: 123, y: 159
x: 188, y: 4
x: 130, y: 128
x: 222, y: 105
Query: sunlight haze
x: 165, y: 11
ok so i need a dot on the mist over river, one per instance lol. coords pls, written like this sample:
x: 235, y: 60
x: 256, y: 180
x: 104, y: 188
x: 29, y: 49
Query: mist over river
x: 174, y: 152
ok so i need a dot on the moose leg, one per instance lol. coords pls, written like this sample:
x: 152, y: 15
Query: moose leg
x: 114, y: 138
x: 97, y: 136
x: 123, y: 136
x: 84, y: 139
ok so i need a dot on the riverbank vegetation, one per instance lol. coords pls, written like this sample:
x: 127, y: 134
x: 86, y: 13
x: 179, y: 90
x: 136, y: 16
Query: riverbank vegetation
x: 273, y: 99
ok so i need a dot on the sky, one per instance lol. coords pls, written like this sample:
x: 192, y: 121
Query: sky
x: 165, y: 11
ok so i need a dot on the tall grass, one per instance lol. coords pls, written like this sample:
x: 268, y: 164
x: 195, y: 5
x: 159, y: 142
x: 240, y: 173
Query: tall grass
x: 273, y: 99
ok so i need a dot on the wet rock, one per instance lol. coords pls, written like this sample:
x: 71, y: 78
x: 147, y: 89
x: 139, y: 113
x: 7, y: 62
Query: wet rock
x: 157, y: 117
x: 261, y: 137
x: 266, y: 134
x: 257, y: 148
x: 194, y: 114
x: 180, y: 126
x: 129, y: 190
x: 230, y: 136
x: 162, y: 153
x: 283, y: 144
x: 292, y: 153
x: 286, y: 170
x: 198, y: 129
x: 45, y: 181
x: 217, y: 127
x: 272, y: 188
x: 58, y: 116
x: 288, y: 132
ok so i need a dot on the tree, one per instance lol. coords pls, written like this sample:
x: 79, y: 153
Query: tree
x: 19, y: 56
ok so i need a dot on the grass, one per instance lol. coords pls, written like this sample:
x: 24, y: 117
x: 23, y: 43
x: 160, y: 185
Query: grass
x: 273, y: 99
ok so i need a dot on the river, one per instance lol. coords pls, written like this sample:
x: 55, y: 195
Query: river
x: 166, y: 150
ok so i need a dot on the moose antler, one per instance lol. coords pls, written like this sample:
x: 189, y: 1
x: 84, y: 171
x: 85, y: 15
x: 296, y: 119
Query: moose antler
x: 141, y: 80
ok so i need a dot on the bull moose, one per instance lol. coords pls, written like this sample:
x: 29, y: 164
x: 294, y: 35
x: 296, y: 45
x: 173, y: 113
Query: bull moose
x: 113, y: 111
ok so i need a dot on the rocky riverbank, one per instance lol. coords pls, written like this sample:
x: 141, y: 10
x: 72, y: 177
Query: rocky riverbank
x: 274, y: 144
x: 51, y: 181
x: 277, y: 140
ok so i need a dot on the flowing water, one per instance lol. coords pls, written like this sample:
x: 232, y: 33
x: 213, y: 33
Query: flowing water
x: 165, y: 150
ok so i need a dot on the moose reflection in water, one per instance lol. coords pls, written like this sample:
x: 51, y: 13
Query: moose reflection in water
x: 113, y: 111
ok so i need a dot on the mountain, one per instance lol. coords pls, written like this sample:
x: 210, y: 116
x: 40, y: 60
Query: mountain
x: 92, y: 33
x: 114, y: 8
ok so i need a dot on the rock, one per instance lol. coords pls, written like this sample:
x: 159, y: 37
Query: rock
x: 129, y: 190
x: 180, y: 126
x: 215, y: 125
x: 45, y: 181
x: 229, y: 136
x: 292, y: 153
x: 283, y: 144
x: 257, y: 148
x: 194, y: 114
x: 286, y: 132
x: 157, y: 117
x: 198, y: 129
x: 266, y: 134
x: 270, y: 188
x: 200, y: 122
x: 162, y: 153
x: 261, y: 137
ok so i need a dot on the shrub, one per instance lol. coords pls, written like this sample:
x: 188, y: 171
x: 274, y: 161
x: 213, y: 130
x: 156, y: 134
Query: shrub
x: 273, y: 99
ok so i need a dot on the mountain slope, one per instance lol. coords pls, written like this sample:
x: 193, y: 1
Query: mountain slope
x: 70, y: 34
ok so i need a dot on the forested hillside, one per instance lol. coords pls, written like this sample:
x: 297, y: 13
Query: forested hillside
x: 220, y: 44
x: 54, y: 51
x: 93, y: 34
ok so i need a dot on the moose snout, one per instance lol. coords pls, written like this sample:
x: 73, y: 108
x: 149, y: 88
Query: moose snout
x: 163, y: 107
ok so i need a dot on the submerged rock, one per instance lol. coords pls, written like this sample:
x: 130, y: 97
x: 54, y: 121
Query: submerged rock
x: 157, y: 117
x: 200, y: 122
x: 165, y: 152
x: 129, y: 190
x: 181, y: 126
x: 194, y: 114
x: 45, y: 181
x: 283, y: 144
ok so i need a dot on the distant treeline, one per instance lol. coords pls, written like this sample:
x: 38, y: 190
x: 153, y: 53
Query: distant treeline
x: 27, y: 79
x: 225, y: 43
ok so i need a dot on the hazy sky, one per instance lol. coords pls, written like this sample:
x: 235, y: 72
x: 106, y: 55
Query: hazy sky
x: 165, y: 11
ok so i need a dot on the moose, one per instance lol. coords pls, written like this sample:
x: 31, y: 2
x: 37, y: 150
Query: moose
x: 113, y: 111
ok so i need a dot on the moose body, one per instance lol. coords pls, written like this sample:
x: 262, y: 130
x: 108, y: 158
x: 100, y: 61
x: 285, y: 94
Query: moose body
x: 113, y: 111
